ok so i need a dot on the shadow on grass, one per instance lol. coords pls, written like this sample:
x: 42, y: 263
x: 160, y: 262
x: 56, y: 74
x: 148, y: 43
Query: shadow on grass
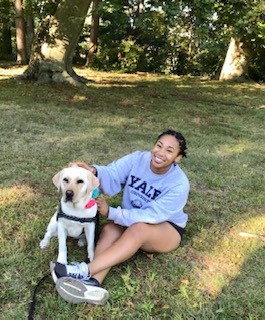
x: 151, y: 85
x: 236, y: 300
x: 45, y: 127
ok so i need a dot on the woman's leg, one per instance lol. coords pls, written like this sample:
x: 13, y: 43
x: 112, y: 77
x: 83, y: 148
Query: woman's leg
x: 116, y: 245
x: 151, y: 238
x: 110, y: 233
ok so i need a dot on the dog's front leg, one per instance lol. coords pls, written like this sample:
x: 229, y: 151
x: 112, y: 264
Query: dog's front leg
x: 62, y: 236
x: 50, y: 232
x: 90, y: 236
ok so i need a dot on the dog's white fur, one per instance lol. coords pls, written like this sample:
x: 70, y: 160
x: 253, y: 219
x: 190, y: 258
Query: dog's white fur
x: 81, y: 183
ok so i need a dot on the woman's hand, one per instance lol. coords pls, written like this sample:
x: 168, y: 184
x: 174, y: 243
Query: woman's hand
x: 103, y: 207
x: 83, y: 165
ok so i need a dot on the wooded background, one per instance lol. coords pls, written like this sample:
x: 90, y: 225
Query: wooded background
x: 220, y: 39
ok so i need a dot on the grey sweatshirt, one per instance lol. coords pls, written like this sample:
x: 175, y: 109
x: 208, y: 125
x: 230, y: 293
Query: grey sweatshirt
x: 147, y: 196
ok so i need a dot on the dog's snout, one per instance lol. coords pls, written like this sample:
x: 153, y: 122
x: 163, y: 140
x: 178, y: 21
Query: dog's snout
x: 69, y: 195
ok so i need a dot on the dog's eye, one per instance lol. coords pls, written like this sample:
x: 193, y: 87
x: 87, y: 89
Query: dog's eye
x: 80, y: 181
x: 66, y: 180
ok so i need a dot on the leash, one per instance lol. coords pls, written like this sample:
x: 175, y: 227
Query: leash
x: 33, y: 300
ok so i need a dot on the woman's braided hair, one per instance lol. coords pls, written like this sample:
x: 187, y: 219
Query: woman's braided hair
x: 179, y: 137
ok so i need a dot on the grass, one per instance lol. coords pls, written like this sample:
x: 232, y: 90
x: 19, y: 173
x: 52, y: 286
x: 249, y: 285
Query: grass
x: 215, y: 274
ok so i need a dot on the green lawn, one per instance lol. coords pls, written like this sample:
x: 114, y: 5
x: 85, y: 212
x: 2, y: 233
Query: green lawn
x: 216, y: 273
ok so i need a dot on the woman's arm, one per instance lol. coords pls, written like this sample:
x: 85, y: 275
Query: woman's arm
x: 168, y: 207
x: 113, y: 176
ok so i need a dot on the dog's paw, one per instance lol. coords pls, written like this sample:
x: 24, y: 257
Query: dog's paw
x: 44, y: 244
x: 91, y: 257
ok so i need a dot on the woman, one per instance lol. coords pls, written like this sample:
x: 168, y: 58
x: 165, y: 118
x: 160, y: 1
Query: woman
x: 155, y: 191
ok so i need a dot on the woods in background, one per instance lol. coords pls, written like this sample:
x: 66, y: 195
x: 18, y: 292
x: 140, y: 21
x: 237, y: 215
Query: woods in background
x: 220, y: 39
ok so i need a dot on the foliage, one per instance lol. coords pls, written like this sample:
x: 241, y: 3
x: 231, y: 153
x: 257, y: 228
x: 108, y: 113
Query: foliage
x: 5, y: 11
x: 130, y: 40
x: 245, y: 20
x: 5, y: 27
x: 215, y: 274
x: 172, y: 37
x: 182, y: 37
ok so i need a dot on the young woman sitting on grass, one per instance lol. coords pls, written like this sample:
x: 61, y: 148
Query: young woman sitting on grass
x: 155, y: 191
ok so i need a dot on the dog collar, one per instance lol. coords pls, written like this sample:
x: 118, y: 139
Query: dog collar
x: 90, y: 204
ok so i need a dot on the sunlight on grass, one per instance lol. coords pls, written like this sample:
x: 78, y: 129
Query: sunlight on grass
x: 129, y: 102
x: 79, y: 97
x: 89, y: 134
x: 9, y: 106
x: 11, y: 72
x: 15, y: 194
x: 107, y: 79
x: 12, y: 200
x: 224, y: 261
x: 111, y: 85
x: 235, y: 149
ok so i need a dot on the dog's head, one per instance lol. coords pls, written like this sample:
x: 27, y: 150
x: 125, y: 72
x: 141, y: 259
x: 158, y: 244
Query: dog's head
x: 75, y: 183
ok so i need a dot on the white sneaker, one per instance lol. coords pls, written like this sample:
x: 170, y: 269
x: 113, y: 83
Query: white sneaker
x: 77, y: 291
x: 77, y: 270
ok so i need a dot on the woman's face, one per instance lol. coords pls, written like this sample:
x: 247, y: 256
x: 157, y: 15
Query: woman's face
x: 165, y: 152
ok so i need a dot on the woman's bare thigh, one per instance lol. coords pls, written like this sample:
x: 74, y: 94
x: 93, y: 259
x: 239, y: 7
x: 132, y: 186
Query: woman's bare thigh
x: 111, y: 232
x: 161, y: 237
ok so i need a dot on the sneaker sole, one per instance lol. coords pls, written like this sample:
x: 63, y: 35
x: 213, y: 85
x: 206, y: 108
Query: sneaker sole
x: 74, y: 291
x: 54, y: 277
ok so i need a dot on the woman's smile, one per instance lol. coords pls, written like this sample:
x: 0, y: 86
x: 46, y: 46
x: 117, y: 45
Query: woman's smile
x: 165, y: 152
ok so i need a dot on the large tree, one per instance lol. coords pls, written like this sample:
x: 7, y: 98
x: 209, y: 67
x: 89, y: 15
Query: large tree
x: 55, y: 42
x: 245, y: 21
x: 94, y: 31
x: 237, y: 59
x: 20, y: 33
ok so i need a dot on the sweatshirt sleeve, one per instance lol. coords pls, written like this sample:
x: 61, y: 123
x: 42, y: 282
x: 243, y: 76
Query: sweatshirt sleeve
x: 113, y: 176
x: 156, y: 211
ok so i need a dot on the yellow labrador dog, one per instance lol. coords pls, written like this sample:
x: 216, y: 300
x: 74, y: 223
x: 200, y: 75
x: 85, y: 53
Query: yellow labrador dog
x: 76, y: 211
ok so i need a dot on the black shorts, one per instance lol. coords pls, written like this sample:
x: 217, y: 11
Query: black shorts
x: 178, y: 228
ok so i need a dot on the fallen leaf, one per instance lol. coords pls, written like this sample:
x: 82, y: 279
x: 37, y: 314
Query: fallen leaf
x: 150, y: 256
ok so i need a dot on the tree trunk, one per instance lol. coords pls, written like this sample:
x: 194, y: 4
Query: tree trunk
x: 94, y: 31
x: 20, y: 34
x: 30, y: 33
x: 55, y: 42
x: 236, y: 61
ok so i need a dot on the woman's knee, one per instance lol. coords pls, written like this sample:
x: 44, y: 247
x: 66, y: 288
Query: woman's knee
x: 111, y: 231
x: 139, y: 229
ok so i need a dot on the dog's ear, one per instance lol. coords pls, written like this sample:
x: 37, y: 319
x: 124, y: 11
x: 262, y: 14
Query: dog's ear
x: 57, y: 180
x: 94, y: 182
